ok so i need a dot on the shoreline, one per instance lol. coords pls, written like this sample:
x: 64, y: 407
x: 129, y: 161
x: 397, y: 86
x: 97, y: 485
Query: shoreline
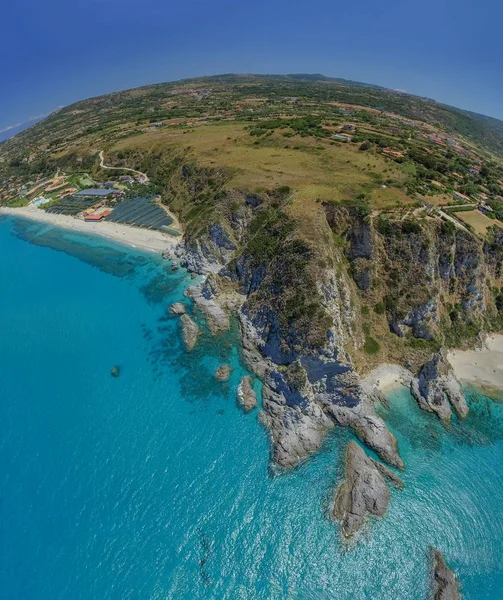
x: 136, y: 237
x: 482, y: 368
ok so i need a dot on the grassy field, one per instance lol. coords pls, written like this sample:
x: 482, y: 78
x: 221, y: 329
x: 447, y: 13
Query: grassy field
x: 313, y: 168
x: 477, y: 220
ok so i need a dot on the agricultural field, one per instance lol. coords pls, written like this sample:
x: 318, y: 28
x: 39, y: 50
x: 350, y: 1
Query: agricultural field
x: 477, y: 220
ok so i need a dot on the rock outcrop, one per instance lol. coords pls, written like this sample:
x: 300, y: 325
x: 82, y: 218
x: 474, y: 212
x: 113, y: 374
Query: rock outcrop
x: 223, y: 373
x: 205, y: 299
x: 299, y: 416
x: 436, y: 385
x: 178, y: 308
x: 190, y: 332
x: 364, y: 490
x: 246, y: 397
x: 444, y: 585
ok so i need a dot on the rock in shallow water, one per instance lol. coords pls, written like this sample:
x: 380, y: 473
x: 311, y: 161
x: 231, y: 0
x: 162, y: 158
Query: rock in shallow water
x: 116, y: 371
x: 178, y: 308
x: 444, y: 584
x: 190, y: 332
x: 247, y: 399
x: 223, y: 373
x: 364, y: 490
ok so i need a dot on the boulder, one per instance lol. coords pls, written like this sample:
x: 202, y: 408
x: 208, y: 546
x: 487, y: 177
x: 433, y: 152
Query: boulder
x: 190, y: 332
x: 247, y: 399
x: 116, y: 371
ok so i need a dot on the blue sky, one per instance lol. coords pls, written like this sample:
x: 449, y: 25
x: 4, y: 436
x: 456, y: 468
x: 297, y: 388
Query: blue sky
x: 55, y: 52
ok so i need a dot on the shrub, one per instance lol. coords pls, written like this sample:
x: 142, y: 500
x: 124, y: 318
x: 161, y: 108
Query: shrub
x: 371, y: 345
x: 379, y: 308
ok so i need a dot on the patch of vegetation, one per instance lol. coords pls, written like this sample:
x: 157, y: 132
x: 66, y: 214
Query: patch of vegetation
x: 371, y: 345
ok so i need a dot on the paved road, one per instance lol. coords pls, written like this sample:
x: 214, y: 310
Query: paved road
x: 103, y: 166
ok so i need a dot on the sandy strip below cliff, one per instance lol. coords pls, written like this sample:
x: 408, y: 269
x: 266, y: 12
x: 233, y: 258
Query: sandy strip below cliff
x: 482, y: 367
x: 386, y: 377
x: 146, y: 239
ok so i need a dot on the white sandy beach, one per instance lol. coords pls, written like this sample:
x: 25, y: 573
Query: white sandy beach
x: 145, y: 239
x: 387, y: 377
x: 482, y: 367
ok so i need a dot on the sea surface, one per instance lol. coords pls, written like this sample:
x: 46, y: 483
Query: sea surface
x: 154, y: 485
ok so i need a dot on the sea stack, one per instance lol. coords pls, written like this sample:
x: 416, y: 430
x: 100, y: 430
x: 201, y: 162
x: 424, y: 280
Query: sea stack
x: 247, y: 399
x: 445, y: 586
x: 190, y: 332
x: 363, y: 492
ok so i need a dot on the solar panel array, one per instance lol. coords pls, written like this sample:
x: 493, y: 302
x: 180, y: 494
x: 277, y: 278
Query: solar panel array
x: 142, y: 212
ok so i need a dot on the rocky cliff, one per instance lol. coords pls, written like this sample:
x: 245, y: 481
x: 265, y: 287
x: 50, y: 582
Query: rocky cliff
x: 322, y: 301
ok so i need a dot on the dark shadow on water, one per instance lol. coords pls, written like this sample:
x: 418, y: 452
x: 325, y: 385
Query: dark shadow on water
x: 110, y: 258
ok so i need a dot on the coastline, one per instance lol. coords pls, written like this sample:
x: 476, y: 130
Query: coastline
x: 481, y: 367
x: 145, y: 239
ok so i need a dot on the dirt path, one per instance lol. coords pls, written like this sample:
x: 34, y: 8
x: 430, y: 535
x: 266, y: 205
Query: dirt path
x: 104, y: 166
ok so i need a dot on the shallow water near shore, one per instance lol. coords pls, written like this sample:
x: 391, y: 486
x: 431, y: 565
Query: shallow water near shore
x: 155, y: 485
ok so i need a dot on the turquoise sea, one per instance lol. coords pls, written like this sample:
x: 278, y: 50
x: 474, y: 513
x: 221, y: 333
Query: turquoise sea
x: 155, y: 485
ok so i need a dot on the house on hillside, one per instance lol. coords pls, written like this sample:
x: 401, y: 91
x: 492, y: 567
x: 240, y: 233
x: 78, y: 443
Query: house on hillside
x: 392, y: 153
x: 94, y: 192
x: 460, y: 196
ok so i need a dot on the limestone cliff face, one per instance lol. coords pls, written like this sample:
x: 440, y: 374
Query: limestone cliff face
x: 299, y: 304
x: 434, y: 282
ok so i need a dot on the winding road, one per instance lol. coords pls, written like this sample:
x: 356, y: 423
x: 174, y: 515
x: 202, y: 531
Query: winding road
x: 104, y: 166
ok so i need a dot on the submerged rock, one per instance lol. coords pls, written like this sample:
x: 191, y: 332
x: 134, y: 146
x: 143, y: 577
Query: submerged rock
x: 445, y: 586
x: 190, y: 331
x: 178, y: 308
x: 116, y: 371
x: 247, y: 399
x: 364, y: 490
x: 436, y: 385
x: 223, y: 373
